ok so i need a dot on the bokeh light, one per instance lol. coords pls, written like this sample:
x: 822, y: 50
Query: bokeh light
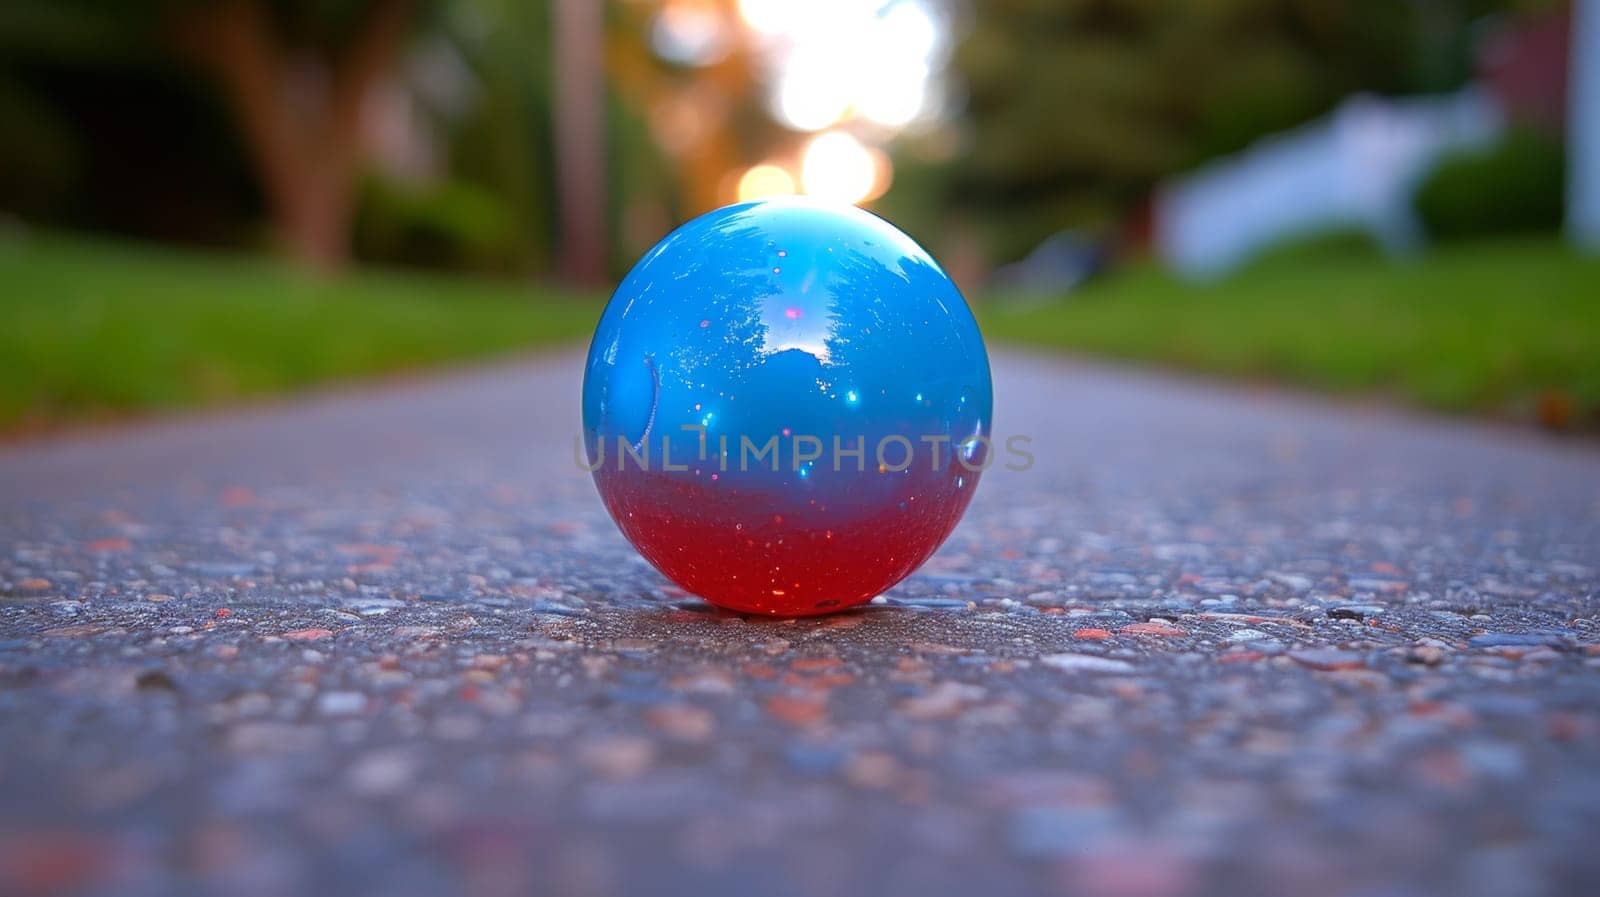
x: 837, y: 166
x: 893, y: 81
x: 813, y: 91
x: 856, y: 72
x: 765, y: 179
x: 769, y: 16
x: 690, y: 32
x: 893, y: 98
x: 832, y: 60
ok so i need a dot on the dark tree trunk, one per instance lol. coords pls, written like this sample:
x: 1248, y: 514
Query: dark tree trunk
x: 580, y: 138
x: 300, y: 115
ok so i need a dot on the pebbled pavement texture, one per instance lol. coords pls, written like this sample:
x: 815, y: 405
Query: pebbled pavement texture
x: 1218, y: 641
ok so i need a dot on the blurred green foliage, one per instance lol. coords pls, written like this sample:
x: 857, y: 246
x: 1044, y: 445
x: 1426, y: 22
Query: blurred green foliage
x: 502, y: 140
x: 1516, y: 185
x: 101, y: 124
x: 446, y: 224
x: 1076, y: 108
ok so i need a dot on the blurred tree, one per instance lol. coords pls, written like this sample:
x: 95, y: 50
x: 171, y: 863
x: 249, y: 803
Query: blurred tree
x: 299, y: 76
x: 579, y: 52
x: 1077, y: 107
x: 196, y: 119
x: 1447, y: 34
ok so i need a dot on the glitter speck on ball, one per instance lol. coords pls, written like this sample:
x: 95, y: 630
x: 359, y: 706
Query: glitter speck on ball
x: 787, y: 439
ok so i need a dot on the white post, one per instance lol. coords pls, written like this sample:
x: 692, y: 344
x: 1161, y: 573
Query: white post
x: 1583, y: 127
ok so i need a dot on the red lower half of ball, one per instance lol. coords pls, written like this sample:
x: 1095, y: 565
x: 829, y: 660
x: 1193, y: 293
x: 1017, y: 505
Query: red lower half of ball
x: 761, y: 552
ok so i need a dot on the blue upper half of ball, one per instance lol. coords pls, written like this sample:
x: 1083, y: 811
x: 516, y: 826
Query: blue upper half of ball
x: 782, y: 317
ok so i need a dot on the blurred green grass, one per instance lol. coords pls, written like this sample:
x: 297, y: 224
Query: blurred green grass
x: 1502, y: 328
x: 98, y: 329
x: 95, y: 329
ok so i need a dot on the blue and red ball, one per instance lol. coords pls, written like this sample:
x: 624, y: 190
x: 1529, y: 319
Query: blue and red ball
x: 737, y: 372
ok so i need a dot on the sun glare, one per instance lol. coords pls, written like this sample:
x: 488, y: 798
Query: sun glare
x: 769, y: 16
x: 837, y: 166
x: 831, y: 60
x: 813, y: 92
x: 869, y: 66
